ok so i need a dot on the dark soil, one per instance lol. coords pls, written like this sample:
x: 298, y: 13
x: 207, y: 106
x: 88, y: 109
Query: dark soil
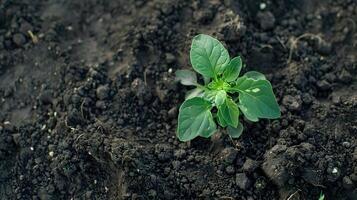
x: 88, y: 101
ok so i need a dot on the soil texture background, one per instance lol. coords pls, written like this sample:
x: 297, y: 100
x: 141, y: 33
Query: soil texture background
x: 89, y: 101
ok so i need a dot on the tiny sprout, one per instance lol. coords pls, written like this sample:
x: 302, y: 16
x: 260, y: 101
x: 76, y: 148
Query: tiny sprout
x: 231, y: 95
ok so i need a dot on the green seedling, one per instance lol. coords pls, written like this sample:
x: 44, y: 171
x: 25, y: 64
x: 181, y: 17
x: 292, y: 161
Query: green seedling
x: 322, y: 196
x: 224, y: 95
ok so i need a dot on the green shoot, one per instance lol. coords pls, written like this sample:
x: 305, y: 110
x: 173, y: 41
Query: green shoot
x: 231, y: 95
x: 322, y: 196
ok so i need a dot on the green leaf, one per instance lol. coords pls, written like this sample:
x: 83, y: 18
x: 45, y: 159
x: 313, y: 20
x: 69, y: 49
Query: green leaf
x: 250, y: 116
x: 208, y: 56
x: 221, y: 120
x: 257, y: 99
x: 255, y: 75
x: 229, y: 112
x: 220, y: 97
x: 197, y: 92
x: 235, y: 132
x: 186, y: 77
x: 232, y: 70
x: 195, y: 118
x: 210, y: 95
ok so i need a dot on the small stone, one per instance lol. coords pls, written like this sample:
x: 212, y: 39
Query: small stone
x: 333, y: 174
x: 353, y: 177
x: 25, y: 27
x: 229, y: 155
x: 323, y: 47
x: 242, y: 181
x: 324, y: 85
x: 346, y: 144
x: 204, y: 16
x: 19, y: 39
x: 141, y: 91
x: 76, y: 99
x: 262, y: 5
x: 292, y: 103
x: 16, y: 138
x: 100, y: 105
x: 46, y: 97
x: 336, y: 98
x: 164, y: 152
x: 172, y: 112
x: 354, y: 156
x: 170, y: 58
x: 74, y: 118
x: 176, y: 164
x: 325, y: 67
x: 206, y: 192
x: 307, y: 99
x: 345, y: 76
x: 230, y: 170
x: 8, y: 44
x: 89, y: 194
x: 347, y: 182
x: 120, y: 121
x: 152, y: 193
x: 313, y: 176
x: 169, y: 195
x: 250, y: 165
x: 180, y: 154
x: 274, y: 165
x: 266, y: 20
x: 103, y: 92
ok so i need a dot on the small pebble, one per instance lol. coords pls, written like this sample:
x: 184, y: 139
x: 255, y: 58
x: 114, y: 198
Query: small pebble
x: 266, y: 20
x: 230, y: 170
x: 103, y: 92
x: 19, y: 39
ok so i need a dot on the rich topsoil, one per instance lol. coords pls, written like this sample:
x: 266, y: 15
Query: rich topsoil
x: 88, y: 100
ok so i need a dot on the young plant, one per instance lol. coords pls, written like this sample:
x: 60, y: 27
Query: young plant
x: 224, y: 95
x: 322, y: 196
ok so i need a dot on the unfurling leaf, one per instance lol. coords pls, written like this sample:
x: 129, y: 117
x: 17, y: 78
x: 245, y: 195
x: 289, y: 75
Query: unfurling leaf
x: 232, y: 71
x: 229, y: 113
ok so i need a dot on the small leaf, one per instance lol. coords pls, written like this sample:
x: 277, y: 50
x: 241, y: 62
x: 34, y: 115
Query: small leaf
x: 210, y: 95
x: 235, y: 132
x: 229, y: 112
x: 257, y: 99
x: 220, y: 97
x: 232, y: 70
x: 186, y: 77
x: 197, y: 92
x: 322, y: 196
x: 255, y: 75
x: 195, y: 118
x: 208, y: 56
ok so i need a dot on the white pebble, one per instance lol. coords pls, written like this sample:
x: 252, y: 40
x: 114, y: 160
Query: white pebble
x: 262, y: 6
x: 334, y: 170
